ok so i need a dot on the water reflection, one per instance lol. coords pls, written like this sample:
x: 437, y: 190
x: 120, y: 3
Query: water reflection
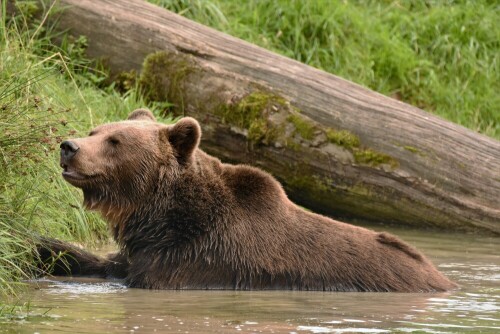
x: 95, y: 306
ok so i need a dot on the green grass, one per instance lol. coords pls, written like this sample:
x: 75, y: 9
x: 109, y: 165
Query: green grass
x: 441, y: 56
x: 47, y: 94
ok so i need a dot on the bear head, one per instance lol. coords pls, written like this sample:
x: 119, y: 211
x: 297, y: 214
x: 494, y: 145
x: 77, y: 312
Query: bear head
x: 118, y: 163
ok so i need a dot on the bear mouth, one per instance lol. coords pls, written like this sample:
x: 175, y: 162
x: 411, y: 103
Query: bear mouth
x: 71, y: 174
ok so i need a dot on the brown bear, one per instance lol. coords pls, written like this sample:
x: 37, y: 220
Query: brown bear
x: 185, y: 220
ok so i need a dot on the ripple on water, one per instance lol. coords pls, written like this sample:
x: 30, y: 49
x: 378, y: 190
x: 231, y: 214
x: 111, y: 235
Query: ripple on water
x: 320, y: 329
x: 77, y: 288
x: 473, y: 273
x: 472, y: 304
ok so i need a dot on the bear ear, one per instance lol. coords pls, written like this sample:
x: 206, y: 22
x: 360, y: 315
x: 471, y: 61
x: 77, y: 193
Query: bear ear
x: 184, y: 137
x: 141, y: 114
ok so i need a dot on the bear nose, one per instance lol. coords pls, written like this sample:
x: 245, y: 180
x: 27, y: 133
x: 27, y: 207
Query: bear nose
x: 68, y: 149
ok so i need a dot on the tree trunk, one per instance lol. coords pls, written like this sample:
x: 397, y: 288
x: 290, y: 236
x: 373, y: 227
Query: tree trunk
x: 338, y: 148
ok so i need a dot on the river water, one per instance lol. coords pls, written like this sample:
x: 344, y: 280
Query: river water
x: 62, y: 305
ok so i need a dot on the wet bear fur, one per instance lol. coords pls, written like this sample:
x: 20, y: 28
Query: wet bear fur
x: 185, y: 220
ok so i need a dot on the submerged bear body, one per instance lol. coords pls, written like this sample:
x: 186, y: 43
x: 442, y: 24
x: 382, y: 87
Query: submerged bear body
x: 185, y: 220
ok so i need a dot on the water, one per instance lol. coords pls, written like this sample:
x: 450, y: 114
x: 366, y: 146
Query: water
x: 61, y: 305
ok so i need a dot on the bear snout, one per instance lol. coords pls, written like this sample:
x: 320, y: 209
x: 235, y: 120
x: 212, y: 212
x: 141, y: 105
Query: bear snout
x: 68, y: 150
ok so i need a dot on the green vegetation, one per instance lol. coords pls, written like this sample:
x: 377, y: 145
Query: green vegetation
x: 342, y: 138
x: 253, y: 113
x: 442, y: 56
x: 251, y: 107
x: 154, y: 72
x: 304, y: 127
x: 373, y: 158
x: 411, y: 149
x: 47, y: 94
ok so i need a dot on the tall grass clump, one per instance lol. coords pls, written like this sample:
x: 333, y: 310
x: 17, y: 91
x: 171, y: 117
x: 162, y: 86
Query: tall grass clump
x: 442, y: 56
x: 46, y: 94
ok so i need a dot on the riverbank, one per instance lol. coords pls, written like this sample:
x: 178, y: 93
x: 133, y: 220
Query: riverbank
x: 47, y: 93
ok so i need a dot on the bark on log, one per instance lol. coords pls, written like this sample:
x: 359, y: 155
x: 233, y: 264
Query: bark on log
x: 338, y: 148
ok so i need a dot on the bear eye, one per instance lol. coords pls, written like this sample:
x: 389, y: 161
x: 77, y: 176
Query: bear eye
x: 113, y: 141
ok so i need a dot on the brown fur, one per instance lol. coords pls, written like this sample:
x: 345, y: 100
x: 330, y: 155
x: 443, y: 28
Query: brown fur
x: 184, y: 220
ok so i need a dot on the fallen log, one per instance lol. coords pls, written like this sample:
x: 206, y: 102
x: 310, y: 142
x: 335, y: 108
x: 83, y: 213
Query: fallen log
x: 338, y: 148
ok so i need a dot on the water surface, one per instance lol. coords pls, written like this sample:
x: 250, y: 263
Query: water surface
x: 62, y: 305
